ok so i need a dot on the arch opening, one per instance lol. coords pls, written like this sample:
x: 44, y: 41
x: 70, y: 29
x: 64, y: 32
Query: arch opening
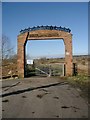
x: 43, y: 57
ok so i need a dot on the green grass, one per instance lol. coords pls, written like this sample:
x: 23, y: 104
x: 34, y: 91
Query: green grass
x: 82, y: 82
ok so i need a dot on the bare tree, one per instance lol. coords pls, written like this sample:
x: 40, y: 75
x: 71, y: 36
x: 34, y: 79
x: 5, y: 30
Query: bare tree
x: 9, y: 59
x: 7, y: 50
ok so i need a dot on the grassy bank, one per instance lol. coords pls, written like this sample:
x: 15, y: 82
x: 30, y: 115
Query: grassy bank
x: 82, y: 82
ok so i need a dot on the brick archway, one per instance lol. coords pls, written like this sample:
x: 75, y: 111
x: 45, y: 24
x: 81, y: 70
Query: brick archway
x: 44, y: 33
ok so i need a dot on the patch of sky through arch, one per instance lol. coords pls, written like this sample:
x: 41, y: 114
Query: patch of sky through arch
x: 45, y: 49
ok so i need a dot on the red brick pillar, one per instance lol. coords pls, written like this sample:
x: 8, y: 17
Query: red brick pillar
x: 21, y: 54
x: 68, y: 55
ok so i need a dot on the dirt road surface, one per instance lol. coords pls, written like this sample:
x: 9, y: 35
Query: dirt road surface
x: 42, y: 98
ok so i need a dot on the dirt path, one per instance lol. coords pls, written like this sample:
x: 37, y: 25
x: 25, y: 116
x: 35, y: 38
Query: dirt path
x: 57, y: 99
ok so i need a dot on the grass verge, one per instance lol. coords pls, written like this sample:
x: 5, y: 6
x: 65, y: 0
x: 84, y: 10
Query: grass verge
x: 82, y: 82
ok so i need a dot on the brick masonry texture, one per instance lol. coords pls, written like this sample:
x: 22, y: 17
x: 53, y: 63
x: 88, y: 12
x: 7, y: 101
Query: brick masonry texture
x: 44, y: 35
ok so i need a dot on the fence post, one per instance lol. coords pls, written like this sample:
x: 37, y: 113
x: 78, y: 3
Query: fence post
x: 64, y: 70
x: 74, y: 69
x: 49, y: 70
